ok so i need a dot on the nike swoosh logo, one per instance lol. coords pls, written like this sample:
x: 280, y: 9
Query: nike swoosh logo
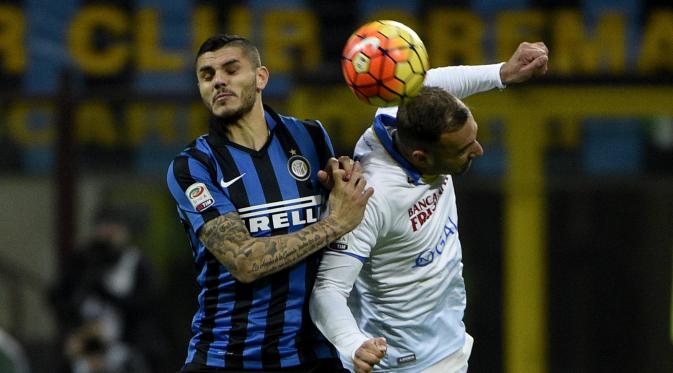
x: 225, y: 184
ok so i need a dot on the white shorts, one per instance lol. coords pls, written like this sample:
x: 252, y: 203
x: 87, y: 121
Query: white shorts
x: 456, y: 362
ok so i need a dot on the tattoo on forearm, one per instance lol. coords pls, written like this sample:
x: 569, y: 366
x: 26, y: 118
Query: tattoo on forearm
x: 228, y: 239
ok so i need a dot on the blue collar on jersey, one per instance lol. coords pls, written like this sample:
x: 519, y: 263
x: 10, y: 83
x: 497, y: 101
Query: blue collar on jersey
x: 270, y: 117
x: 380, y: 123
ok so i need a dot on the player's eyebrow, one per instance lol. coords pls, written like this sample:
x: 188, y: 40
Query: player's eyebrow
x: 204, y: 69
x: 225, y: 64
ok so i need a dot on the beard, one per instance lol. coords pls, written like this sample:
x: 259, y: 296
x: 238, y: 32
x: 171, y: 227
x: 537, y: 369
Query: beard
x: 248, y: 98
x: 464, y: 168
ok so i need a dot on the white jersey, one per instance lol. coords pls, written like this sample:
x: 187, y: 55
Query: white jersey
x: 410, y: 288
x: 403, y: 261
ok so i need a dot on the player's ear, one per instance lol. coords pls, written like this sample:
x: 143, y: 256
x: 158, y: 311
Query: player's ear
x: 420, y: 159
x: 262, y: 77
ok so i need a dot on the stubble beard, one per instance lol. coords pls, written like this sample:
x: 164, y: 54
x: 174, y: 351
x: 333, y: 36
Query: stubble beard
x: 464, y: 169
x: 248, y: 98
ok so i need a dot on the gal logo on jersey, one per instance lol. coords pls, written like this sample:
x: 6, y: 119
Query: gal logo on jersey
x: 429, y: 255
x: 199, y: 196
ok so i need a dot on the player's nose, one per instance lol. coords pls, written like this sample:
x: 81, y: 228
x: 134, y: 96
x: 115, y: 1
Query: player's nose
x: 478, y: 150
x: 220, y: 79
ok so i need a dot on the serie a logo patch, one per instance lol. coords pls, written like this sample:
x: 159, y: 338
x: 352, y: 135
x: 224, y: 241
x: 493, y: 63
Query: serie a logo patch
x: 199, y: 196
x: 340, y: 243
x: 299, y: 167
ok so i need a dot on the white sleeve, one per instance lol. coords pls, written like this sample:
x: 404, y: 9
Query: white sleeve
x: 328, y: 305
x: 461, y: 81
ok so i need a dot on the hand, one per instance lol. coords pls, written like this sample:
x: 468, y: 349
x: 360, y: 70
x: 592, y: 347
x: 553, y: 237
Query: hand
x: 348, y: 198
x: 369, y: 354
x: 344, y: 163
x: 529, y: 60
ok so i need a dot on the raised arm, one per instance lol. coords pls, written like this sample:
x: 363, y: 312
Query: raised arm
x: 248, y: 258
x: 463, y: 81
x: 527, y: 61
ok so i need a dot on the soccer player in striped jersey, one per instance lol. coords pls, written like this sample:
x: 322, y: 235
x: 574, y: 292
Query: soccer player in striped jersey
x: 250, y: 195
x: 404, y: 259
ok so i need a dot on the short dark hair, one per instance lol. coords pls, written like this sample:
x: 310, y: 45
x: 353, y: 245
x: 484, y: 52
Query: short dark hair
x: 423, y: 118
x: 216, y: 42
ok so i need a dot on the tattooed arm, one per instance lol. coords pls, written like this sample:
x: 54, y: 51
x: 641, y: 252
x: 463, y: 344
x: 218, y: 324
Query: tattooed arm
x: 248, y: 258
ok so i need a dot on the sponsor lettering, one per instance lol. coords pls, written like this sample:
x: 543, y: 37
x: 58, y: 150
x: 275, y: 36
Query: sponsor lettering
x: 429, y: 255
x: 283, y: 214
x: 422, y: 209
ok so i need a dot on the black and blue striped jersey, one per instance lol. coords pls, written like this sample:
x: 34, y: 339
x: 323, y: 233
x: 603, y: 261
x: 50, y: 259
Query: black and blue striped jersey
x: 264, y: 324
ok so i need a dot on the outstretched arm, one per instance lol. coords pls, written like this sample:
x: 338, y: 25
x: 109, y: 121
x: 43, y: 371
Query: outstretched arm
x: 529, y: 60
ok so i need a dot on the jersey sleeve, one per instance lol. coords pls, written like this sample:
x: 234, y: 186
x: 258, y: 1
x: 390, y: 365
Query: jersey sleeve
x: 359, y: 242
x: 194, y: 189
x: 329, y: 302
x: 461, y: 81
x: 339, y: 268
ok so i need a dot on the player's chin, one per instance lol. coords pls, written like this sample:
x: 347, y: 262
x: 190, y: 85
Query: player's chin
x: 222, y: 107
x: 464, y: 169
x: 226, y: 111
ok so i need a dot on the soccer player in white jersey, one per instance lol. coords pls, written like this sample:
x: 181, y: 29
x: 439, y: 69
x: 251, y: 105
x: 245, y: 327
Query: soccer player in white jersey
x: 404, y: 259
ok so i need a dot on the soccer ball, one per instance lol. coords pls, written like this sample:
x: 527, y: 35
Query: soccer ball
x: 384, y: 62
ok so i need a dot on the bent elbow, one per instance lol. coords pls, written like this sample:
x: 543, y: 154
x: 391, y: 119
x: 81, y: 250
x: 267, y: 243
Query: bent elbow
x: 245, y: 272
